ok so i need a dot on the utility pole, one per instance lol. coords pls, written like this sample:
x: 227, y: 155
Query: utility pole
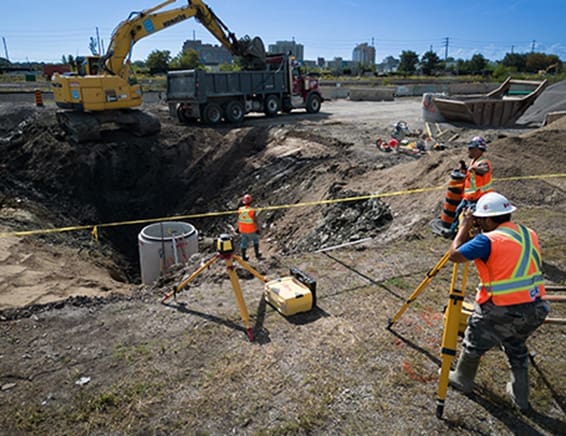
x: 98, y: 41
x: 5, y: 48
x: 533, y: 46
x: 446, y: 41
x: 512, y: 47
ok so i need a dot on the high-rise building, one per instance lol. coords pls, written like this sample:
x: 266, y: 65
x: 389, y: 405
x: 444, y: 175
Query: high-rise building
x: 292, y: 47
x: 364, y: 54
x: 209, y: 54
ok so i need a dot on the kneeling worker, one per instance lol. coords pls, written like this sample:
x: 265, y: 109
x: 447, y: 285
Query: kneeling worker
x: 508, y: 307
x: 248, y: 227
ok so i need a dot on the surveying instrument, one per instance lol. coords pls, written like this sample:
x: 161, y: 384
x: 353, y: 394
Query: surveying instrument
x: 225, y: 251
x: 452, y: 322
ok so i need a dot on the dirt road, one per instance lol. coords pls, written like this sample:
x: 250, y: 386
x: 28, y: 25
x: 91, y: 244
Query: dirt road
x: 121, y: 362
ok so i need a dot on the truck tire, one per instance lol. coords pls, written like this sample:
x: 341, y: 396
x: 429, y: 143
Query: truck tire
x: 271, y: 105
x: 313, y: 103
x: 182, y: 115
x: 234, y: 111
x: 212, y: 114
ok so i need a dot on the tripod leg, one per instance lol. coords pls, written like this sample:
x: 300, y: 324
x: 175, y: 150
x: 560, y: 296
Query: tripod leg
x: 249, y: 268
x: 185, y: 282
x: 450, y: 336
x: 430, y: 275
x: 239, y: 297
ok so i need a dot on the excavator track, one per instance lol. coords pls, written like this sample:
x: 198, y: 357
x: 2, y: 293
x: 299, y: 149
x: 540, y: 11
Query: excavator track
x: 86, y: 126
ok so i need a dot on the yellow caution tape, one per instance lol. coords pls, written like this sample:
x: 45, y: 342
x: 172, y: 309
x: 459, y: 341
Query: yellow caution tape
x: 95, y: 228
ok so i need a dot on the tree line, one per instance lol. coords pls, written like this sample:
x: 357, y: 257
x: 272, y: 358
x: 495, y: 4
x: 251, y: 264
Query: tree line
x: 430, y: 64
x: 408, y: 64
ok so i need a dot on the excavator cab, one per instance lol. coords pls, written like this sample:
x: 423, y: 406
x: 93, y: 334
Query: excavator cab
x: 87, y: 65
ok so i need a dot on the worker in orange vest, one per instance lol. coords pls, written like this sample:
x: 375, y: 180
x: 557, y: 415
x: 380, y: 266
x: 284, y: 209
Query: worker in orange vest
x: 509, y: 305
x: 477, y: 181
x: 248, y: 227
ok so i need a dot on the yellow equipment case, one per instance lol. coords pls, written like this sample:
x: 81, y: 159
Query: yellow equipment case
x: 291, y: 295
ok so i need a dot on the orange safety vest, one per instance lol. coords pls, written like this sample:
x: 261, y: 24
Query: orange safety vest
x: 512, y: 273
x: 475, y: 185
x: 246, y: 222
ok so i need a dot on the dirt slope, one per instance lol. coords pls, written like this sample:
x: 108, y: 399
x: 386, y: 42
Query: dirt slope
x: 120, y: 362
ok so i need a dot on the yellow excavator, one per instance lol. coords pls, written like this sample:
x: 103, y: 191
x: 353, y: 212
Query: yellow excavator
x: 101, y: 91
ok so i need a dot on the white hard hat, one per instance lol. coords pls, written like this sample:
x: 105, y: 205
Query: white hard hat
x: 493, y: 204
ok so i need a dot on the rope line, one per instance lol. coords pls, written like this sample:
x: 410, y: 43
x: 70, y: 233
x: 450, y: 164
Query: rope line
x: 94, y: 228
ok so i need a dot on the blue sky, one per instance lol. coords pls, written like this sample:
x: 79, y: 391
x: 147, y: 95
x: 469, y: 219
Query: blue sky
x: 44, y: 30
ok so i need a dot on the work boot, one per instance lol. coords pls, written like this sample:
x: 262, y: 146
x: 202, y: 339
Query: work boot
x: 462, y: 378
x: 257, y: 253
x: 244, y: 255
x: 518, y: 388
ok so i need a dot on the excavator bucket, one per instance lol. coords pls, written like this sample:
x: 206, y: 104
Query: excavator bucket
x: 253, y: 52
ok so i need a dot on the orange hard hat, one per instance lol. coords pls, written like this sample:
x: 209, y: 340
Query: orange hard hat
x: 247, y: 199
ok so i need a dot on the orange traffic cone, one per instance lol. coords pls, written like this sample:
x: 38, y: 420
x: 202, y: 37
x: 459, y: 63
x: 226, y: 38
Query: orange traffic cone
x: 38, y: 98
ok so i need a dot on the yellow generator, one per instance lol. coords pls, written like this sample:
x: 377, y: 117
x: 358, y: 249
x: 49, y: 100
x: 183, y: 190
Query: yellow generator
x: 293, y: 294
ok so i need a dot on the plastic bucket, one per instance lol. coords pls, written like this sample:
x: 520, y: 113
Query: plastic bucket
x: 164, y: 244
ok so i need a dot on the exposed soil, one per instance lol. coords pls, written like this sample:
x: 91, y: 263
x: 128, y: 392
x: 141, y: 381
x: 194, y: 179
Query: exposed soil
x: 86, y: 349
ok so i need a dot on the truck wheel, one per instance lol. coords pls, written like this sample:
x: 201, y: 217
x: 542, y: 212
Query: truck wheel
x: 271, y: 105
x: 212, y: 113
x: 234, y: 112
x: 182, y: 115
x: 313, y: 103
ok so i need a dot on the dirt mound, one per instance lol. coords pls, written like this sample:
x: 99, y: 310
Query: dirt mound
x: 111, y: 359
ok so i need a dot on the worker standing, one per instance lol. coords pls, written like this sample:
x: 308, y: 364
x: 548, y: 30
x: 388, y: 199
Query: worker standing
x: 509, y: 305
x: 477, y: 181
x: 248, y: 227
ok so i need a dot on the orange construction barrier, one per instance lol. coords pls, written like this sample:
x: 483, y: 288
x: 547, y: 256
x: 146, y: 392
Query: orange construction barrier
x: 38, y: 98
x: 453, y: 197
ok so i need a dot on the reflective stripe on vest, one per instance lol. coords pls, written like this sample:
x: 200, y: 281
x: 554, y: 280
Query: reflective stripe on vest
x: 525, y: 282
x: 475, y: 185
x: 245, y: 220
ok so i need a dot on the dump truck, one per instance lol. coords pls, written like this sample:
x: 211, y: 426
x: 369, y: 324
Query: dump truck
x: 211, y: 97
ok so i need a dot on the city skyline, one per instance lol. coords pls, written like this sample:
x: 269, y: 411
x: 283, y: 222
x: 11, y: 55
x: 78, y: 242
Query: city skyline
x: 325, y: 30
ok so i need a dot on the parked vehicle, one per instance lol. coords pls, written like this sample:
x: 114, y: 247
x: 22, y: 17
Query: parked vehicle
x: 210, y: 97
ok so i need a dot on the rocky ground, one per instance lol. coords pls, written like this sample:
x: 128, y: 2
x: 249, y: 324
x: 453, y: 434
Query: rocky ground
x: 87, y: 349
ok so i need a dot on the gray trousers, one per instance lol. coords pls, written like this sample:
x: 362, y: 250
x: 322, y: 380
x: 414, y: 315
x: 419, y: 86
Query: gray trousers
x: 509, y: 326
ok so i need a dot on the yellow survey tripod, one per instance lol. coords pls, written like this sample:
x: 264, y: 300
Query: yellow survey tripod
x: 451, y: 322
x: 225, y: 250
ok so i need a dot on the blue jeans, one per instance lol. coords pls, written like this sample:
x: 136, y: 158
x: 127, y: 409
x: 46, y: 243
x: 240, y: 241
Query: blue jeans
x: 464, y: 204
x: 249, y: 237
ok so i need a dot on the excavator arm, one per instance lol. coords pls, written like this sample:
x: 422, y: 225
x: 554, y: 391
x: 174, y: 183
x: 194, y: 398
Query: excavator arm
x: 141, y: 24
